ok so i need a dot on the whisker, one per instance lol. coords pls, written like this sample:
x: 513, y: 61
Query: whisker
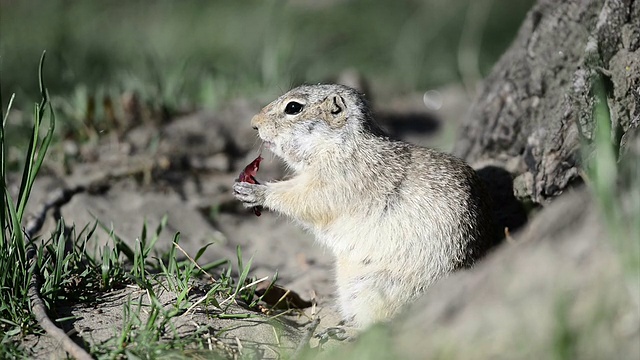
x: 256, y: 142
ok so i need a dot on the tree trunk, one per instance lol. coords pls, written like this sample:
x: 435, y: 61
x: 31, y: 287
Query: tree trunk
x: 535, y: 109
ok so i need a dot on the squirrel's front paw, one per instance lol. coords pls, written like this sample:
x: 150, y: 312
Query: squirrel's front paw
x: 251, y: 195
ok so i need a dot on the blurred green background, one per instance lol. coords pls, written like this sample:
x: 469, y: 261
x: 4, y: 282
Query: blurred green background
x: 113, y: 64
x: 197, y: 52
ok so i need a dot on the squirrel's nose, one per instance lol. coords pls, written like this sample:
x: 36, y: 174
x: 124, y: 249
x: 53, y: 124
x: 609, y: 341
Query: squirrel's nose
x: 255, y: 121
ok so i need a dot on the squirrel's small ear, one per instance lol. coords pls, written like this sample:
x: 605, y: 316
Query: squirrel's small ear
x: 336, y: 110
x: 338, y: 104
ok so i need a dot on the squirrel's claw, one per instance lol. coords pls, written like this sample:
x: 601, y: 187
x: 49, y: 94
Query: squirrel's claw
x: 250, y: 195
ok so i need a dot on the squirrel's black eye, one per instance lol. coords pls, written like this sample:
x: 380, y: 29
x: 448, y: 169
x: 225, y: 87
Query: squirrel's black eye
x: 293, y: 108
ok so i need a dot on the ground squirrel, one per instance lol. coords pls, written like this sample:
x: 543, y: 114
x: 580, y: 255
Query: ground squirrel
x: 396, y: 216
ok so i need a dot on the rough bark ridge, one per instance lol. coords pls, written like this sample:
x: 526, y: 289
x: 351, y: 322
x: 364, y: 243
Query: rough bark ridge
x: 535, y: 108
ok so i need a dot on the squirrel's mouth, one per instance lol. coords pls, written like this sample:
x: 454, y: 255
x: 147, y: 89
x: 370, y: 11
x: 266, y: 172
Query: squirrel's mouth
x: 274, y: 148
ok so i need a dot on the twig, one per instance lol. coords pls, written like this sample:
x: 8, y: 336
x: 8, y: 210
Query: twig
x: 37, y: 305
x: 507, y: 235
x: 304, y: 342
x: 231, y: 297
x: 193, y: 261
x: 239, y: 345
x: 283, y: 313
x: 195, y: 304
x: 284, y: 296
x: 40, y: 313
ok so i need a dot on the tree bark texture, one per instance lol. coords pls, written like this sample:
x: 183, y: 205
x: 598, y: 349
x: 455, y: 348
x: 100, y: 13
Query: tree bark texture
x: 534, y: 111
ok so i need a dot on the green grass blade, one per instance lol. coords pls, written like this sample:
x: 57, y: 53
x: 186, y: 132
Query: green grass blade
x: 44, y: 147
x: 43, y: 89
x: 143, y: 235
x: 120, y: 245
x: 239, y: 256
x: 173, y: 265
x: 212, y: 265
x: 17, y: 236
x: 28, y: 166
x: 6, y: 115
x: 201, y: 251
x: 60, y: 253
x: 3, y: 170
x: 243, y: 276
x: 35, y: 153
x: 156, y: 235
x: 3, y: 167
